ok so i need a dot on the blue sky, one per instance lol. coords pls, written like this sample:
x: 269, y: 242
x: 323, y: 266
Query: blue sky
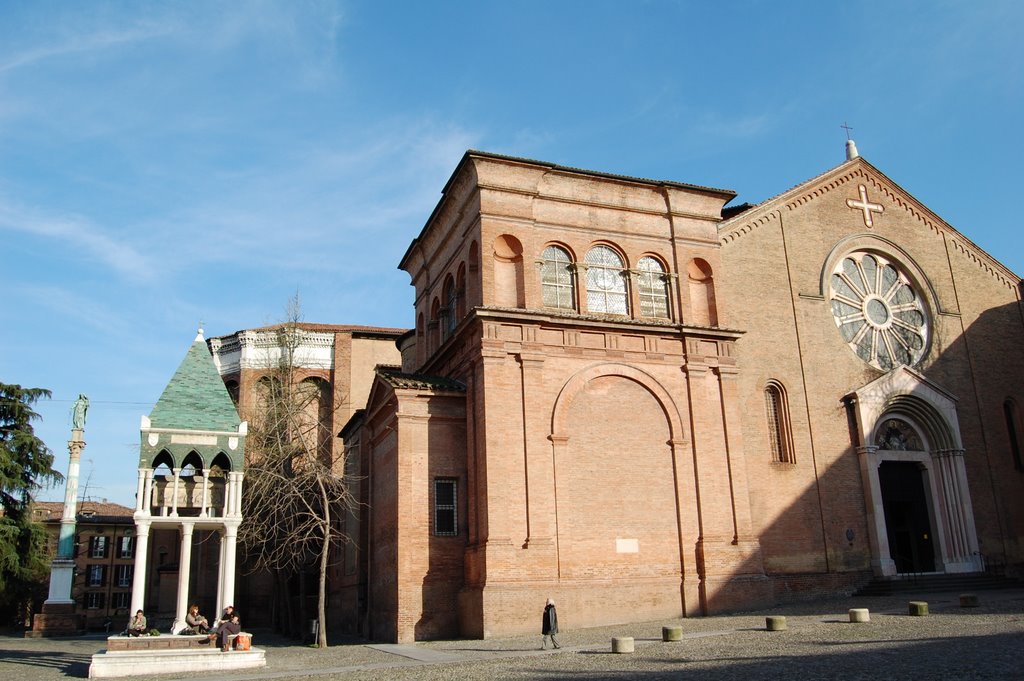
x: 166, y: 163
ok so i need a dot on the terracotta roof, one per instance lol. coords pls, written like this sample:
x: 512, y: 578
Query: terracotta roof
x: 394, y: 377
x: 55, y: 509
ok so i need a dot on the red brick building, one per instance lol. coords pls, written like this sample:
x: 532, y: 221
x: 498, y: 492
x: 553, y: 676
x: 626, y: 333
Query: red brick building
x: 104, y: 559
x: 623, y: 394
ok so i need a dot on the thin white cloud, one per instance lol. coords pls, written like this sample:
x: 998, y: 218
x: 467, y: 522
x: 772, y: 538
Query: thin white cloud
x: 317, y: 201
x: 75, y: 310
x: 77, y: 44
x: 72, y: 232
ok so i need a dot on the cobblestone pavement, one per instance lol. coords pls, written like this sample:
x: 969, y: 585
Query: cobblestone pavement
x: 986, y: 642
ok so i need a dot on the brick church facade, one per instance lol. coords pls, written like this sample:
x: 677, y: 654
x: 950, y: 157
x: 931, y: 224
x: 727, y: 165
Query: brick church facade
x: 627, y: 395
x: 624, y: 395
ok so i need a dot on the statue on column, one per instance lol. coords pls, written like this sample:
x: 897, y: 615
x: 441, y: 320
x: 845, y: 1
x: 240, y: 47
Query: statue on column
x: 78, y: 412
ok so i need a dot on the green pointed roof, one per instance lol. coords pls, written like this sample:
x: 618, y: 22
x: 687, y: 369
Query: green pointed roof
x: 196, y: 398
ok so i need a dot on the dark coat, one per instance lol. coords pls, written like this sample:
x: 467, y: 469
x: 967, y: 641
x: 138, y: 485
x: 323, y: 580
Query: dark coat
x: 550, y: 625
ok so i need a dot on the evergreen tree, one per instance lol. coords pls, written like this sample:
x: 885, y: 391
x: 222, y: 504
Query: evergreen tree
x: 26, y: 464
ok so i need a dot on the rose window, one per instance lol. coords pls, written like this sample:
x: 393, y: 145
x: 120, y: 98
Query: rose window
x: 878, y: 312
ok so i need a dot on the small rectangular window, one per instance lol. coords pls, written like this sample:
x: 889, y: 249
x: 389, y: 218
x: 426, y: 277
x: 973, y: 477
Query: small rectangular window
x: 96, y: 576
x: 121, y: 600
x: 445, y: 504
x: 124, y: 575
x: 126, y: 548
x: 94, y: 600
x: 98, y: 547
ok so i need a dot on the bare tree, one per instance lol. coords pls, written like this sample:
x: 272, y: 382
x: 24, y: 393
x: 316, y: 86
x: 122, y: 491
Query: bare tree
x: 296, y: 494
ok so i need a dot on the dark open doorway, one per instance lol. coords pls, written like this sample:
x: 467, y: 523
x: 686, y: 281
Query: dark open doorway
x: 911, y: 542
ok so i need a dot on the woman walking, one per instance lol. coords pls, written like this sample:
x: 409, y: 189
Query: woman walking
x: 549, y: 626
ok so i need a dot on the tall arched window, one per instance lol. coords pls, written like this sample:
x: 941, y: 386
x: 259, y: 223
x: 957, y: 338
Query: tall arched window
x: 556, y: 276
x: 703, y: 308
x: 460, y: 292
x: 449, y: 313
x: 652, y: 285
x: 606, y: 283
x: 1012, y: 431
x: 434, y: 325
x: 780, y: 437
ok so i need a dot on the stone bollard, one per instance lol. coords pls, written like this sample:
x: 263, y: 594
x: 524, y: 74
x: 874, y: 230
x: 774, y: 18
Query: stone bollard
x: 775, y: 623
x: 918, y: 608
x: 674, y: 633
x: 968, y: 601
x: 622, y: 644
x: 860, y: 615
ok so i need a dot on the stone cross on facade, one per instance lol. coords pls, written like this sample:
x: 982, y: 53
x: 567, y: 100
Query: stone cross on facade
x: 866, y: 206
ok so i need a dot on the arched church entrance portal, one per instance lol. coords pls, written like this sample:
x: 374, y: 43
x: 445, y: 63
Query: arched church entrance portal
x: 907, y: 519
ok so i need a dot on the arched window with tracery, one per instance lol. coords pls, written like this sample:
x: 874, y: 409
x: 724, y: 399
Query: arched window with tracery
x: 780, y: 436
x: 557, y: 281
x: 652, y: 287
x: 1012, y: 417
x: 606, y: 281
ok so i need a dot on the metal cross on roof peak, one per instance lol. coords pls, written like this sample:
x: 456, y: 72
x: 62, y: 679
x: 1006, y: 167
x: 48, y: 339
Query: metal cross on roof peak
x: 847, y: 128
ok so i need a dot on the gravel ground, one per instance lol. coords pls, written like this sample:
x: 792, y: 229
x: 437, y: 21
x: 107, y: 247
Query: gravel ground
x: 950, y: 643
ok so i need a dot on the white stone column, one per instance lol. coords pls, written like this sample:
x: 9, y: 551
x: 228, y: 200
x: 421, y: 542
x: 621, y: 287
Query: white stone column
x: 184, y: 572
x: 230, y: 536
x: 206, y: 492
x: 236, y: 496
x: 140, y: 491
x: 878, y: 538
x: 228, y: 489
x: 961, y: 550
x: 141, y: 558
x: 147, y: 506
x: 220, y: 573
x: 174, y: 497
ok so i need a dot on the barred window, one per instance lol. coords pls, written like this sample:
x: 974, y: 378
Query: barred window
x: 606, y: 281
x: 445, y: 505
x: 557, y: 281
x: 779, y: 436
x: 652, y: 285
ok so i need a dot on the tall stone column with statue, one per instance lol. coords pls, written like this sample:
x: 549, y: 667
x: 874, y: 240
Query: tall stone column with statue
x: 58, y: 617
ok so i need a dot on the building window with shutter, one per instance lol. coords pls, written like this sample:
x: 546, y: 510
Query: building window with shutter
x: 98, y: 546
x: 445, y: 503
x: 121, y: 600
x: 124, y: 575
x: 96, y: 575
x: 94, y: 600
x: 126, y: 547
